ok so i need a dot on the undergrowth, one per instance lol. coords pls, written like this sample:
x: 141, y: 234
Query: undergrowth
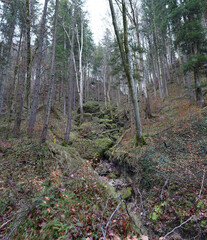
x: 41, y: 201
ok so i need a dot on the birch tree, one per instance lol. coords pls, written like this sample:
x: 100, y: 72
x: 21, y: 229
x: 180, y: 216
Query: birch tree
x: 70, y: 78
x: 80, y: 52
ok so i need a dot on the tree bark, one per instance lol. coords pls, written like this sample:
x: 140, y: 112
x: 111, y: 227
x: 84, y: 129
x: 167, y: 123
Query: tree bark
x: 199, y: 95
x: 14, y: 82
x: 5, y: 65
x: 80, y: 48
x: 34, y: 105
x: 52, y: 77
x: 20, y: 95
x: 28, y: 82
x: 188, y: 79
x: 70, y: 79
x: 124, y: 51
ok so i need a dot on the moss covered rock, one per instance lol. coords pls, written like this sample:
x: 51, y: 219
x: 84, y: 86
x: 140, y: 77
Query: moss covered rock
x: 89, y: 149
x: 91, y: 107
x: 126, y: 193
x: 67, y: 157
x: 85, y: 129
x: 102, y: 171
x: 112, y: 176
x: 102, y: 145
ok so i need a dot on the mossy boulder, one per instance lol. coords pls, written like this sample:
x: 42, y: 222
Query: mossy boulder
x: 85, y: 129
x: 102, y: 171
x: 91, y: 107
x: 102, y: 145
x: 68, y: 159
x: 87, y: 117
x: 126, y: 193
x: 89, y: 149
x: 85, y: 147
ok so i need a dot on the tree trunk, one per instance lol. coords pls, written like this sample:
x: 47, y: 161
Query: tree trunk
x: 188, y: 79
x: 80, y: 47
x: 64, y: 104
x: 124, y: 51
x: 20, y: 96
x: 52, y: 77
x: 199, y: 95
x: 5, y: 66
x: 70, y: 80
x: 28, y: 83
x: 2, y: 86
x: 14, y: 82
x: 34, y: 105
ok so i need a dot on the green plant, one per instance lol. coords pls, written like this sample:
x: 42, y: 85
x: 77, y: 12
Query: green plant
x: 157, y: 211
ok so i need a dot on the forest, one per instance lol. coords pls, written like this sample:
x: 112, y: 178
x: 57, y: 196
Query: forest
x: 103, y: 140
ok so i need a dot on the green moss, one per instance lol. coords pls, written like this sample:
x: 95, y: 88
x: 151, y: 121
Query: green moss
x: 102, y: 171
x: 106, y: 117
x: 67, y: 157
x: 126, y: 193
x: 84, y: 146
x: 87, y: 116
x: 140, y: 141
x: 102, y: 145
x: 112, y: 176
x: 91, y: 107
x: 64, y: 144
x: 85, y: 129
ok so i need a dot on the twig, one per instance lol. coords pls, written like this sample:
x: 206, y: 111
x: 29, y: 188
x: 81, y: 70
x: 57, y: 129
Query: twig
x: 10, y: 234
x: 178, y: 227
x: 5, y: 223
x: 166, y: 182
x: 202, y: 183
x: 141, y: 201
x: 117, y: 208
x: 21, y: 218
x: 3, y: 219
x: 104, y: 230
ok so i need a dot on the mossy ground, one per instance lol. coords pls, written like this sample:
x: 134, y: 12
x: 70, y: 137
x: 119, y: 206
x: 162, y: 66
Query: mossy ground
x: 170, y: 169
x: 52, y: 192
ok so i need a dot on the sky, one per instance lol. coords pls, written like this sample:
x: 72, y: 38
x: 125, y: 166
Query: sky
x: 98, y: 12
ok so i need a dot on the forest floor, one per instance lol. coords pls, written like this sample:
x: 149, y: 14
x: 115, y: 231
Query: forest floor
x: 101, y: 186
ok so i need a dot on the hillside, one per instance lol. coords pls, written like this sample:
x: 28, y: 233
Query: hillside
x: 101, y: 185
